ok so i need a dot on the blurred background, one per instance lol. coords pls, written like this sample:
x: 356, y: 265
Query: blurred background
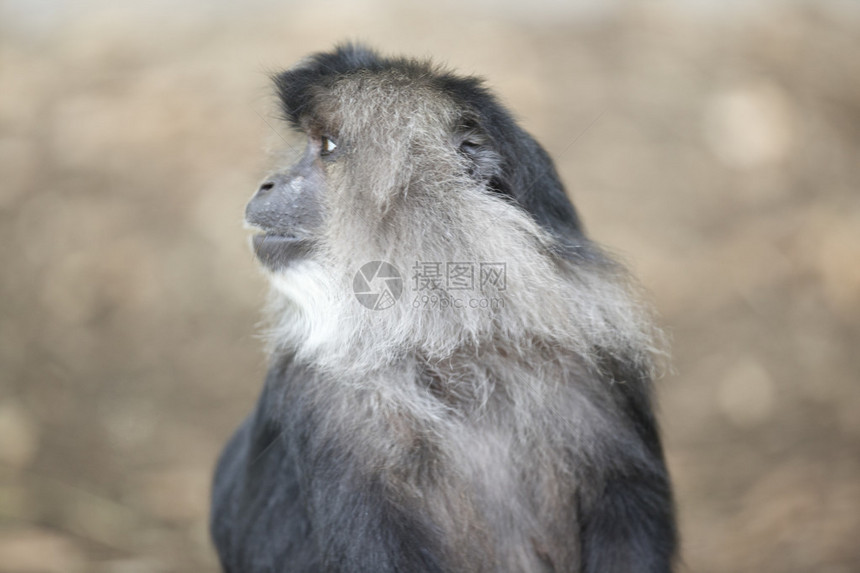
x: 713, y: 145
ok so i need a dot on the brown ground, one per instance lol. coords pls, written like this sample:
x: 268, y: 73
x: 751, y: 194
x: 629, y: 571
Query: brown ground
x: 717, y: 153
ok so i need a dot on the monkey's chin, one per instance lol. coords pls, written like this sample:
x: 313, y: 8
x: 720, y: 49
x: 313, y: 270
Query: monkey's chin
x: 278, y: 251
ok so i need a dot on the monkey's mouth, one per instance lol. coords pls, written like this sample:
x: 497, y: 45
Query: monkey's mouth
x: 277, y: 251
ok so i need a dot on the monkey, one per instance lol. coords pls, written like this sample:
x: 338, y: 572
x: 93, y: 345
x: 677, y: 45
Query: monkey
x: 403, y: 426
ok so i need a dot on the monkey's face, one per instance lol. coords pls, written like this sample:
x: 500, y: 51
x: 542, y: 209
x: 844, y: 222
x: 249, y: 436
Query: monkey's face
x: 287, y: 208
x: 380, y: 157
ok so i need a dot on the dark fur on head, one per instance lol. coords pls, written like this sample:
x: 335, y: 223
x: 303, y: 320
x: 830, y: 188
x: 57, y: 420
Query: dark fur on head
x: 517, y: 438
x: 527, y: 172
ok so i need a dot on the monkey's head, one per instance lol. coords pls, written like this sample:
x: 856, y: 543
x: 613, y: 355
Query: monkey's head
x: 422, y: 169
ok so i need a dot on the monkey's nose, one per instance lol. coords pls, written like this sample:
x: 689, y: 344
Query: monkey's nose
x: 266, y: 187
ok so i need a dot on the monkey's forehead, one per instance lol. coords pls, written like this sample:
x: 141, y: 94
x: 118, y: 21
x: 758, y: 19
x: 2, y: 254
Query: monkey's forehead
x: 383, y: 100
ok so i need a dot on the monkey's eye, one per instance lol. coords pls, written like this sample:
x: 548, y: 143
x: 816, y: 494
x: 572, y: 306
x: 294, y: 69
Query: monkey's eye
x: 328, y: 145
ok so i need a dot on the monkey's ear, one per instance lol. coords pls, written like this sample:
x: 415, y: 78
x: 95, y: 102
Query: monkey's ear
x: 523, y: 170
x: 484, y: 160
